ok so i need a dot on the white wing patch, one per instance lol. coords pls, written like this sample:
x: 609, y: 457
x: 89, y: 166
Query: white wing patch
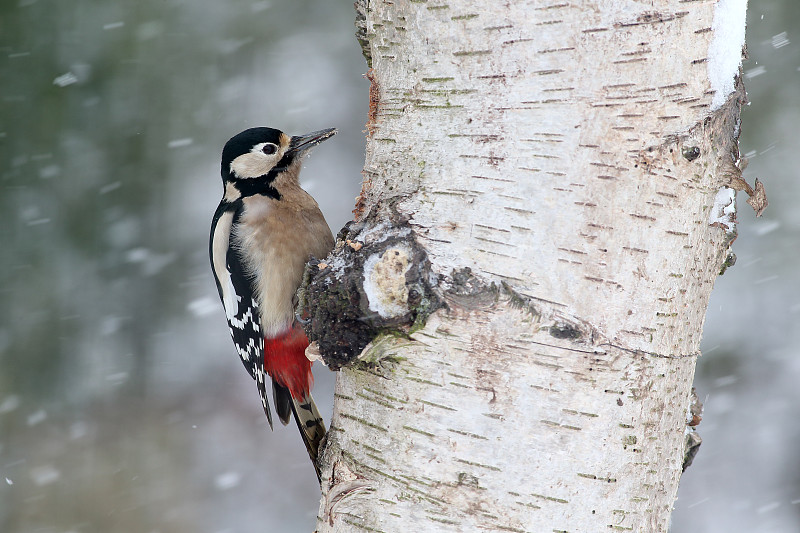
x: 230, y: 300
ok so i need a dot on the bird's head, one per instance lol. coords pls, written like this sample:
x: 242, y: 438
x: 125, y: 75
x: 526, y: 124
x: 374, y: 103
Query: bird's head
x: 254, y: 159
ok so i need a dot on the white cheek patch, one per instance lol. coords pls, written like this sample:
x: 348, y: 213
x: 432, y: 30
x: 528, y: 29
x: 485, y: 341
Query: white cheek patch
x: 251, y: 165
x: 255, y: 163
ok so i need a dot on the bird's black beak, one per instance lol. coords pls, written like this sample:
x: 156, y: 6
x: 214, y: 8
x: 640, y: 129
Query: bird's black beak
x: 300, y: 143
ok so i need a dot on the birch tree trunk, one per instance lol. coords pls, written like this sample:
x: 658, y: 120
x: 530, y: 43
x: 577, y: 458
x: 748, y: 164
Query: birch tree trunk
x: 543, y: 216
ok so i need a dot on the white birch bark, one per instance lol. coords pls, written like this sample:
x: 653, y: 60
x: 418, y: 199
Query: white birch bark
x: 550, y: 147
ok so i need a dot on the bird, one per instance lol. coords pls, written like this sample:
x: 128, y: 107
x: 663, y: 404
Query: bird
x: 263, y: 233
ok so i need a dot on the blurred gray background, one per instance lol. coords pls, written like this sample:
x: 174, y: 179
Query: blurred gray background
x: 122, y: 405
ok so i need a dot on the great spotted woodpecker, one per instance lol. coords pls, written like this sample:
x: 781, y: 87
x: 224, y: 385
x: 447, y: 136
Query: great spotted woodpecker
x: 264, y: 231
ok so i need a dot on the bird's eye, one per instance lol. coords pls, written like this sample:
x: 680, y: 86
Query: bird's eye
x: 269, y: 149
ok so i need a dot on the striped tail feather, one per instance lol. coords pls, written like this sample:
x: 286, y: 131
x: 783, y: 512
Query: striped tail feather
x: 311, y: 426
x: 307, y: 417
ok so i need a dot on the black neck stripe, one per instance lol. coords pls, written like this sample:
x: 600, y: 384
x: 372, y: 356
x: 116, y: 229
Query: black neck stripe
x: 253, y: 186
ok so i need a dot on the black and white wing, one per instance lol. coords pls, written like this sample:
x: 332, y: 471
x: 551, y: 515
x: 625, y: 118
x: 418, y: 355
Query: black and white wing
x: 235, y: 287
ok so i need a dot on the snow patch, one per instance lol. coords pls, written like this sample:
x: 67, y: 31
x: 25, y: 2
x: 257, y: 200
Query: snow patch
x: 725, y: 52
x: 78, y: 430
x: 227, y: 480
x: 767, y: 227
x: 45, y: 475
x: 117, y: 378
x: 768, y: 508
x: 180, y: 143
x: 50, y: 171
x: 9, y: 403
x: 37, y: 417
x: 754, y: 72
x: 152, y: 263
x: 113, y: 186
x: 780, y: 40
x: 724, y: 210
x: 203, y: 306
x: 65, y: 79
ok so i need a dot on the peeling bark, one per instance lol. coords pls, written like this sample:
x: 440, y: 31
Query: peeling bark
x: 517, y: 309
